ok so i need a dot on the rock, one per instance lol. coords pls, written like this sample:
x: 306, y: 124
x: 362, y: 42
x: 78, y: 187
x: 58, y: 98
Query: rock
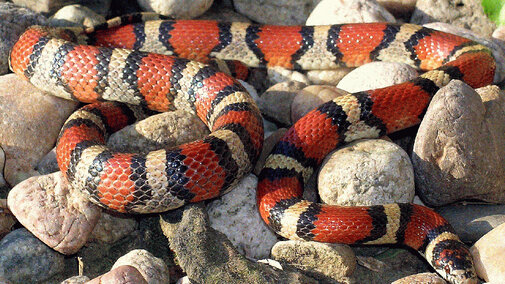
x: 111, y: 228
x: 235, y: 214
x: 334, y: 261
x: 25, y: 259
x: 366, y: 172
x: 499, y: 33
x: 327, y: 77
x: 7, y: 220
x: 48, y: 164
x: 472, y: 221
x: 153, y: 269
x: 166, y: 129
x: 488, y: 254
x: 268, y: 145
x: 51, y: 6
x: 311, y: 97
x: 421, y: 278
x: 124, y: 274
x: 76, y: 280
x: 399, y: 8
x: 223, y: 14
x: 495, y: 45
x: 284, y: 12
x: 275, y: 103
x: 467, y: 14
x: 459, y: 150
x: 176, y: 8
x: 279, y: 74
x: 13, y: 21
x: 76, y: 15
x: 184, y: 280
x: 207, y: 256
x: 24, y: 120
x: 58, y: 215
x: 3, y: 184
x: 378, y: 75
x: 329, y: 12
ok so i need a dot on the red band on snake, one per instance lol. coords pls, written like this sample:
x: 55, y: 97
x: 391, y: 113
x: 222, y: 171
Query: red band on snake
x: 168, y: 178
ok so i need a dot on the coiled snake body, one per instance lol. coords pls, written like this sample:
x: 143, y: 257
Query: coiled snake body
x: 168, y: 178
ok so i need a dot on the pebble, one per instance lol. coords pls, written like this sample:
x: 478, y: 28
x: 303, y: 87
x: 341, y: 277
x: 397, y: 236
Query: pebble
x: 279, y: 74
x: 499, y: 33
x: 459, y: 149
x: 58, y: 215
x: 25, y: 259
x: 276, y: 12
x: 76, y: 280
x: 329, y: 12
x: 3, y: 182
x: 488, y: 254
x: 378, y: 75
x: 76, y: 15
x: 124, y: 274
x: 111, y: 228
x: 268, y: 145
x: 463, y: 13
x: 399, y: 8
x: 22, y: 121
x: 153, y: 269
x: 335, y: 261
x: 275, y: 103
x: 311, y: 97
x: 421, y: 278
x: 7, y: 220
x: 327, y: 77
x: 48, y: 164
x: 366, y: 172
x: 238, y: 210
x: 178, y: 9
x: 13, y: 21
x: 51, y: 6
x: 472, y: 221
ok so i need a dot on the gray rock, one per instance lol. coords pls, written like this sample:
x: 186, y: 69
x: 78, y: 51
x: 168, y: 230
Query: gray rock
x: 76, y: 280
x: 13, y: 21
x: 178, y: 9
x: 111, y: 228
x: 278, y: 74
x: 48, y: 164
x: 50, y: 6
x: 25, y: 259
x: 399, y: 8
x: 472, y: 221
x: 276, y: 12
x: 329, y: 12
x: 76, y: 15
x: 275, y: 103
x: 311, y: 97
x: 459, y: 152
x: 467, y: 14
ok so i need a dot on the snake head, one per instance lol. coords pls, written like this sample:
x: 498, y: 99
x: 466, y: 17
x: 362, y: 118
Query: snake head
x: 452, y: 260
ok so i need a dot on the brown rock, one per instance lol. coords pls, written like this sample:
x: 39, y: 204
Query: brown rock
x: 58, y: 215
x: 311, y: 97
x: 488, y: 255
x: 459, y: 152
x: 421, y: 278
x: 153, y: 269
x: 29, y: 129
x: 124, y: 274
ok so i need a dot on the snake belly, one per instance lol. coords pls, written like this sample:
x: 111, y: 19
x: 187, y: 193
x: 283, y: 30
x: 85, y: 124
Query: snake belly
x: 118, y: 67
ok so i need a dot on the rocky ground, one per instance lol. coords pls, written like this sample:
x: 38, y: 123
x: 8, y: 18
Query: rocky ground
x: 453, y: 162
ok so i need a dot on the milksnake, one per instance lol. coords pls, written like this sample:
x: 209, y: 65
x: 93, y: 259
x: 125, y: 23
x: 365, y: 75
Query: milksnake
x: 118, y: 67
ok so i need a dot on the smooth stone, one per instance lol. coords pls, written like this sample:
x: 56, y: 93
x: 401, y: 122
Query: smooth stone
x: 25, y: 259
x: 459, y: 151
x: 335, y: 261
x: 378, y: 75
x: 329, y: 12
x: 29, y: 129
x: 499, y: 33
x: 179, y: 9
x: 276, y: 12
x: 76, y: 280
x: 7, y: 220
x: 51, y: 6
x: 268, y: 145
x: 275, y: 103
x: 153, y: 269
x: 366, y: 172
x: 111, y: 228
x: 124, y: 274
x: 76, y: 15
x: 48, y: 164
x: 54, y: 212
x: 488, y: 254
x: 238, y: 210
x: 327, y: 77
x: 311, y: 97
x: 279, y: 74
x: 3, y: 183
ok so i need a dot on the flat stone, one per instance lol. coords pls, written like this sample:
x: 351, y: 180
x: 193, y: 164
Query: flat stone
x: 153, y: 269
x: 488, y: 254
x: 58, y: 215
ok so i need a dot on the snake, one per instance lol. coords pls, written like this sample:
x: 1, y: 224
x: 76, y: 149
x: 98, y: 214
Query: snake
x: 129, y: 68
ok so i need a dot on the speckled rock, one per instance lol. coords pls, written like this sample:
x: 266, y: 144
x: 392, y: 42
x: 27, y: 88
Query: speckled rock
x: 327, y: 77
x: 459, y: 150
x: 23, y: 120
x: 488, y: 254
x: 76, y: 280
x: 268, y: 145
x: 421, y: 278
x: 366, y: 172
x: 335, y: 261
x: 7, y: 220
x: 275, y: 103
x: 13, y: 21
x: 329, y: 12
x: 401, y: 8
x: 465, y: 13
x: 76, y: 15
x: 110, y: 228
x: 472, y: 221
x: 235, y: 214
x: 176, y: 8
x: 124, y: 274
x: 153, y: 269
x: 166, y: 129
x: 378, y: 75
x: 58, y: 215
x: 25, y: 259
x: 279, y: 74
x: 311, y: 97
x: 276, y: 12
x: 51, y: 6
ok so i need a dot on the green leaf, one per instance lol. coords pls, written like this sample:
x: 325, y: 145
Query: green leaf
x: 495, y: 10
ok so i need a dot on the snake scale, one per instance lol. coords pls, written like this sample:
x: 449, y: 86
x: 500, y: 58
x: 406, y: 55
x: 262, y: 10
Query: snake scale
x: 113, y: 63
